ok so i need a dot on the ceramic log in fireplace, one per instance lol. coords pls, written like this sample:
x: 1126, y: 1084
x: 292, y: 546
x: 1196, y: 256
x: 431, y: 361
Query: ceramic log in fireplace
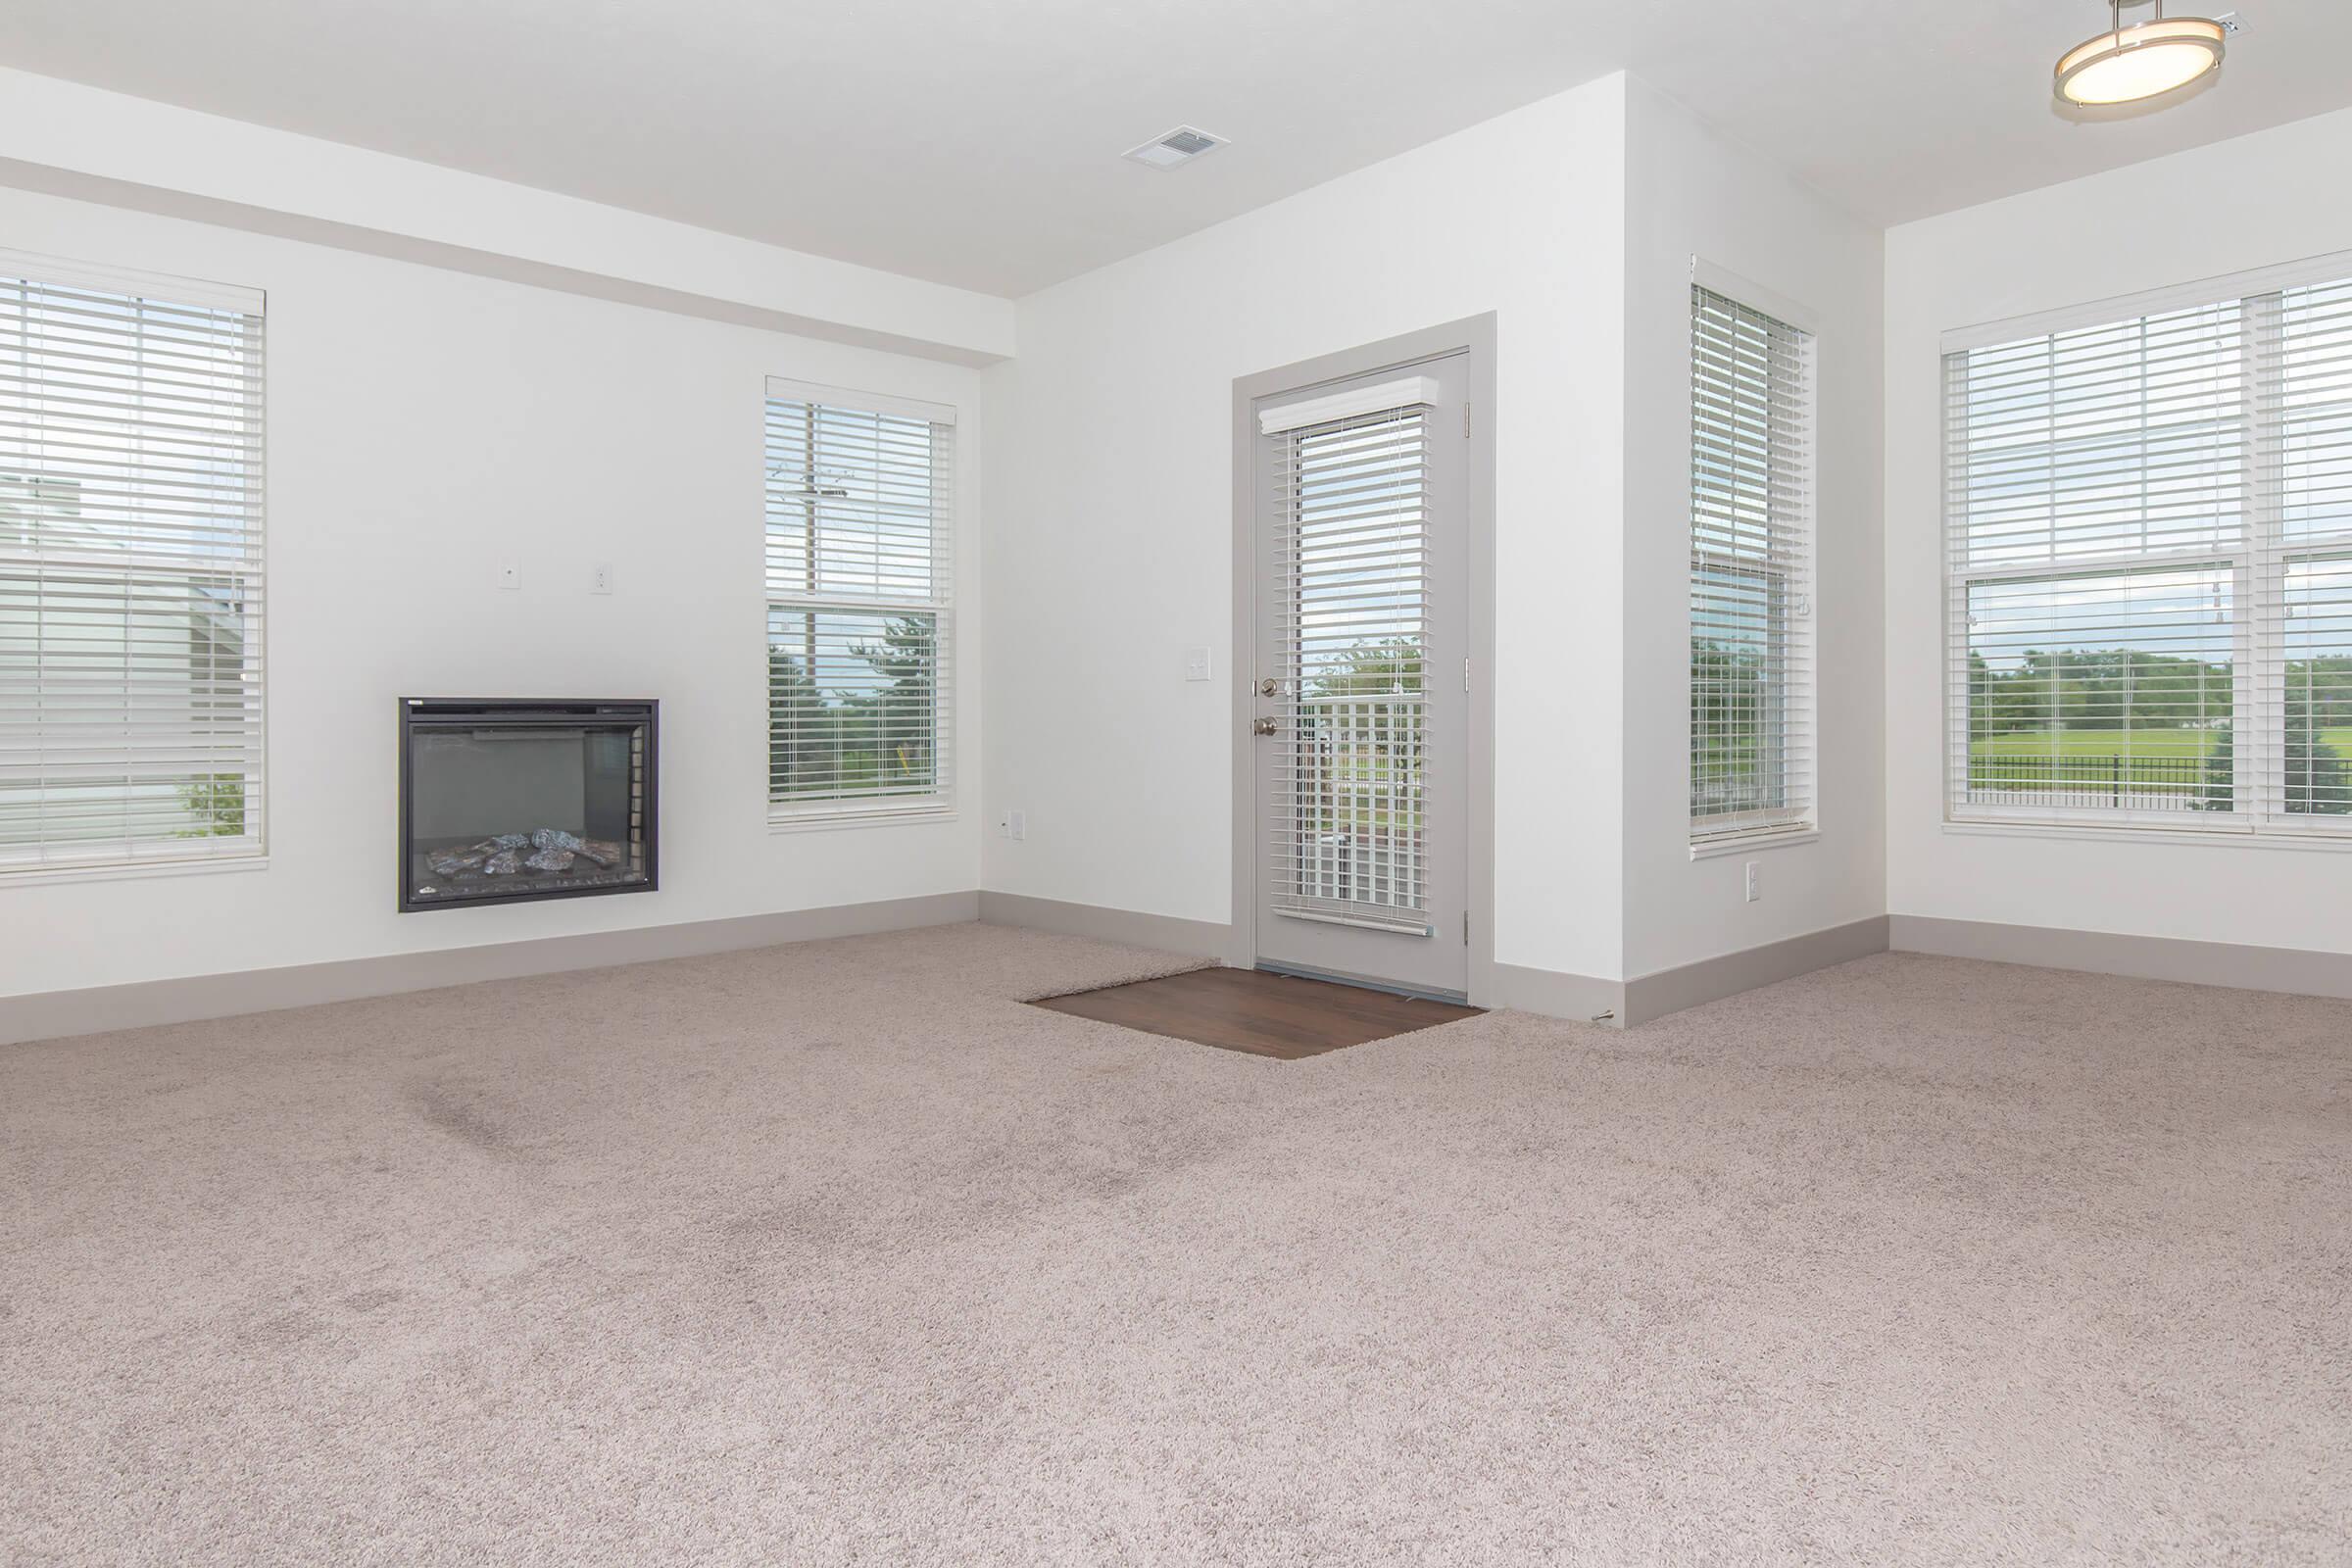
x: 504, y: 800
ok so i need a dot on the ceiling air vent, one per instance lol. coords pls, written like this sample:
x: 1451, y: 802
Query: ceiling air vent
x: 1175, y: 149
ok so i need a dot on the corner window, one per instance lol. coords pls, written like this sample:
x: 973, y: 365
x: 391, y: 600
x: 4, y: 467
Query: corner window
x: 2149, y: 528
x: 1752, y: 562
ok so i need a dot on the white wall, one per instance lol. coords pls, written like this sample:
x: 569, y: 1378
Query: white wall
x: 1111, y: 495
x: 2272, y: 197
x: 424, y: 424
x: 1690, y: 192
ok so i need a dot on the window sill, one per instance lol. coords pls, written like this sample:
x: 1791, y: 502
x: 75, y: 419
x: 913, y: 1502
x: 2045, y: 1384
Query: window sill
x: 32, y: 876
x: 816, y: 821
x: 1749, y: 843
x: 2140, y: 833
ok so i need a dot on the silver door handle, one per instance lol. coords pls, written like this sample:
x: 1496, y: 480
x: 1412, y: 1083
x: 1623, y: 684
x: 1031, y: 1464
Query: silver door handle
x: 1263, y: 726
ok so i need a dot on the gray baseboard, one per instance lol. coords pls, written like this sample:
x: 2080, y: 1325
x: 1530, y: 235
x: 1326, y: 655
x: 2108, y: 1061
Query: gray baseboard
x: 1653, y: 996
x: 1555, y: 995
x: 1170, y: 933
x: 46, y: 1014
x: 1558, y: 996
x: 2205, y: 963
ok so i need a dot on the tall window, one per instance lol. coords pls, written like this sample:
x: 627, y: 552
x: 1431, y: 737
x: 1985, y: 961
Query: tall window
x: 2149, y: 521
x: 860, y: 605
x: 1752, y: 562
x: 130, y: 568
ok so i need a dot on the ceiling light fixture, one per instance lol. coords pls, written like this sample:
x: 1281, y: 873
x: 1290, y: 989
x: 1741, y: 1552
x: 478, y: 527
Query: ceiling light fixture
x: 2126, y: 63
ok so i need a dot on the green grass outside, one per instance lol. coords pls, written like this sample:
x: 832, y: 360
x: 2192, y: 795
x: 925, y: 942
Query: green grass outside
x: 822, y: 772
x: 2123, y: 743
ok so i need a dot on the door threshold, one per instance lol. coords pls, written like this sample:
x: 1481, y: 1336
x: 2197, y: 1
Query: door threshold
x: 1300, y: 971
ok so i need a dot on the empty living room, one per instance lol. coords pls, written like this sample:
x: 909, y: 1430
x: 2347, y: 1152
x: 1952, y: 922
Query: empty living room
x: 1211, y: 783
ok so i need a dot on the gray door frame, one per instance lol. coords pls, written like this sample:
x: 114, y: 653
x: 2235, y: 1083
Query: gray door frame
x: 1475, y: 336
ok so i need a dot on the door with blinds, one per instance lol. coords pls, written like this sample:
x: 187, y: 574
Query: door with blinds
x: 1360, y: 721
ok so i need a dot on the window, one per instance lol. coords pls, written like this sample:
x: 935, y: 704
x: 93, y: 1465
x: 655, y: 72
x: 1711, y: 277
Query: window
x: 2149, y: 525
x: 1752, y: 562
x: 860, y: 608
x: 131, y: 569
x: 1352, y: 478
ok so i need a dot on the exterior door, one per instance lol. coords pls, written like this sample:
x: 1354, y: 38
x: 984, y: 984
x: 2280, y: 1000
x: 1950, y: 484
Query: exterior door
x: 1360, y: 721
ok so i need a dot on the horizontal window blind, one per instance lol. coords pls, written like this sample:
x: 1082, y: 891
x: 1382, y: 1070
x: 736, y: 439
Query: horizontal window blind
x: 1346, y: 828
x: 130, y: 568
x: 861, y: 620
x: 1752, y: 702
x: 2149, y: 535
x: 2302, y: 766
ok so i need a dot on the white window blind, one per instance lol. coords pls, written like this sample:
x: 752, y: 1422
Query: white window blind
x: 1346, y: 827
x: 860, y: 605
x: 2150, y: 528
x: 130, y: 568
x: 1752, y: 562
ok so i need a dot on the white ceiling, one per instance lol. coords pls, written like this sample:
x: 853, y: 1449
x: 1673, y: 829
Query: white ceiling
x: 977, y: 142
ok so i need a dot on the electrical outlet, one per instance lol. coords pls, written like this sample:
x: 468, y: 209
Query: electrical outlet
x: 600, y: 577
x: 1755, y: 891
x: 510, y: 574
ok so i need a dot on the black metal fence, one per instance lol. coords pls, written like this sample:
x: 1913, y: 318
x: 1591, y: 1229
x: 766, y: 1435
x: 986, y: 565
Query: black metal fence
x: 2132, y: 783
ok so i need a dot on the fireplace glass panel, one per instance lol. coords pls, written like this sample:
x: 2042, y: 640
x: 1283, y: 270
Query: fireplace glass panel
x: 508, y: 801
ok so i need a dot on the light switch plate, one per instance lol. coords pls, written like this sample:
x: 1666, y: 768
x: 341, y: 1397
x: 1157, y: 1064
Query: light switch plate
x: 1196, y: 663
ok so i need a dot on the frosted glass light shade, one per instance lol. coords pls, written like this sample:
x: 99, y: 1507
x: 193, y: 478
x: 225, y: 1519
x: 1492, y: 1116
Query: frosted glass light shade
x: 2140, y: 61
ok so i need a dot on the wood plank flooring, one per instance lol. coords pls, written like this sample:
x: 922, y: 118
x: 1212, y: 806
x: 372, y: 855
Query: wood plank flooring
x: 1264, y: 1014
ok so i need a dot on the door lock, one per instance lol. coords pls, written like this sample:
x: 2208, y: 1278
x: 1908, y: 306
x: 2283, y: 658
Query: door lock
x: 1269, y: 687
x: 1263, y: 726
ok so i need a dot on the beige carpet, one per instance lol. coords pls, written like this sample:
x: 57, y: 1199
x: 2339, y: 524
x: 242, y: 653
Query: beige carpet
x: 837, y: 1253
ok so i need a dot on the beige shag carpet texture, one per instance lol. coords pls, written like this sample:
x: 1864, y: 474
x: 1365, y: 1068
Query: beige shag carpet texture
x: 837, y: 1253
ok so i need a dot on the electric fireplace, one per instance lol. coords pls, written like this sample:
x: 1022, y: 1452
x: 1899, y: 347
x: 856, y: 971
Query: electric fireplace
x: 504, y: 801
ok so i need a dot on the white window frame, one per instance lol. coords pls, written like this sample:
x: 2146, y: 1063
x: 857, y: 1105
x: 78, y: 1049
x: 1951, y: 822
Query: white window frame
x: 2257, y: 567
x: 1799, y: 720
x: 152, y: 854
x: 788, y: 813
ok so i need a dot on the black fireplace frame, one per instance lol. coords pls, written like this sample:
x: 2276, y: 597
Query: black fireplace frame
x: 551, y: 712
